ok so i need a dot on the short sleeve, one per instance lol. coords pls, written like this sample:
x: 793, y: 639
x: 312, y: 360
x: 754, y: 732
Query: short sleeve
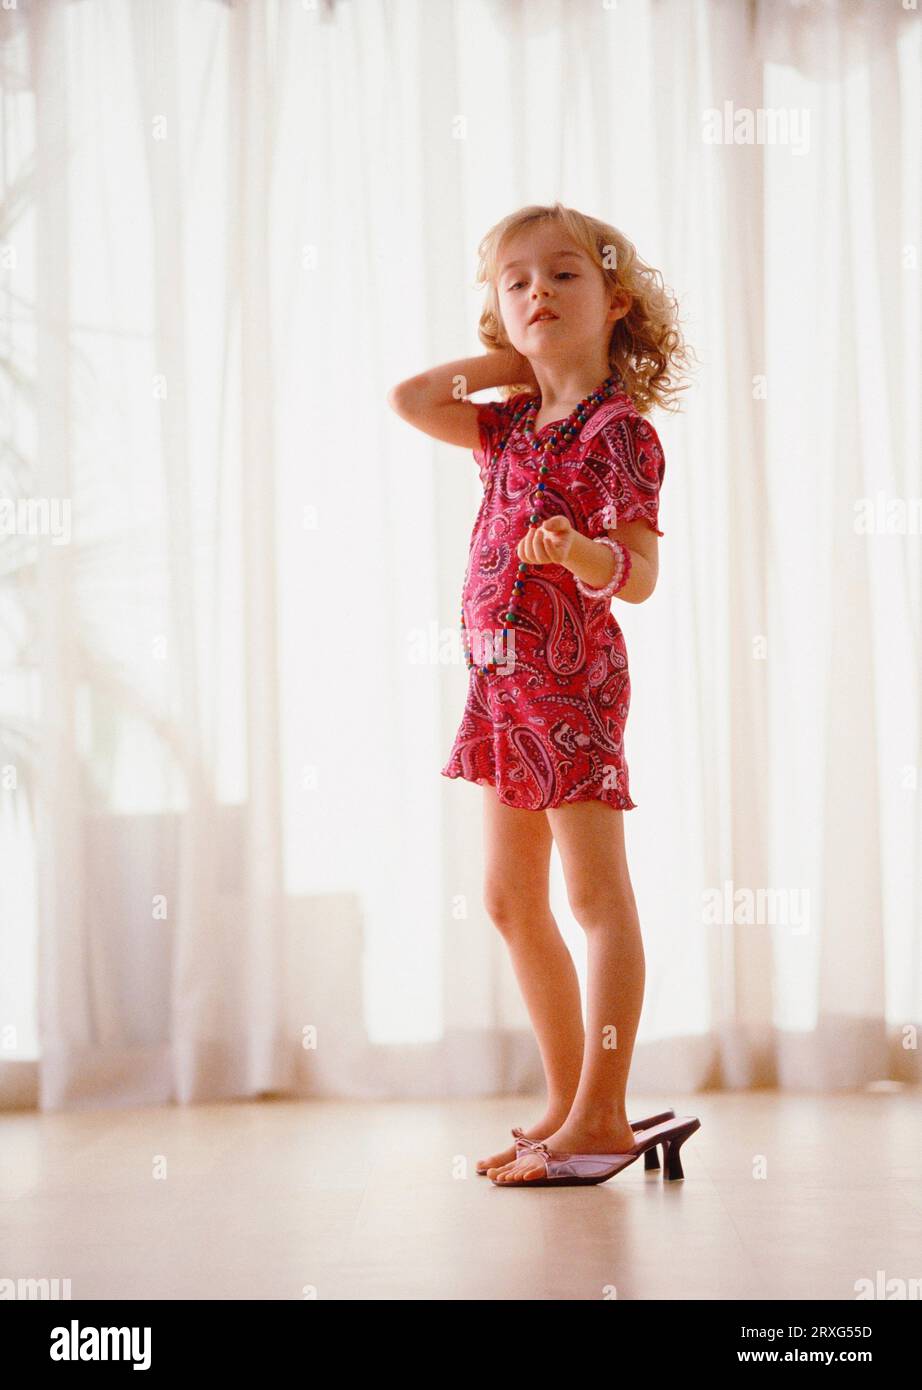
x: 622, y: 474
x: 493, y: 419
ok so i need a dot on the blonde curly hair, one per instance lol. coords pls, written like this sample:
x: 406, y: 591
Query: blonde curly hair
x: 646, y: 346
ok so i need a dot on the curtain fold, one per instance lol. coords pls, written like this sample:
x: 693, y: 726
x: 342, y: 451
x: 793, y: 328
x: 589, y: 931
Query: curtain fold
x: 243, y: 224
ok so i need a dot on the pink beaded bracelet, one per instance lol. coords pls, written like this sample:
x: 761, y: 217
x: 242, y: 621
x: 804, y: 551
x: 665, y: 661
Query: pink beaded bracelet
x: 619, y: 578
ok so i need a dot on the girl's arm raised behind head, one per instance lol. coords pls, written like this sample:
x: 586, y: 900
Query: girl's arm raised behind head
x: 434, y: 401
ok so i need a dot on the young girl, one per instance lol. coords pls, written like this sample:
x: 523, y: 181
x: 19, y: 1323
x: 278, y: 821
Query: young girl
x: 581, y: 338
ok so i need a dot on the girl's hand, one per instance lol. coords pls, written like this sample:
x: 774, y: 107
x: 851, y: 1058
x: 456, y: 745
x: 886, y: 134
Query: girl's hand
x: 519, y: 369
x: 524, y: 372
x: 547, y: 544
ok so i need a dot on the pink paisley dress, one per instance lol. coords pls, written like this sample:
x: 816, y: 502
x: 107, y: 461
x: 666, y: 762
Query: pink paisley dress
x: 546, y: 726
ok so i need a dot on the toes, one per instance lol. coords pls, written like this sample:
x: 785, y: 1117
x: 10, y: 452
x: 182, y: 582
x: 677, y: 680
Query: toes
x: 494, y: 1164
x: 518, y: 1171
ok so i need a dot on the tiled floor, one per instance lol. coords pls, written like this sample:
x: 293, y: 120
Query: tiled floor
x: 785, y: 1196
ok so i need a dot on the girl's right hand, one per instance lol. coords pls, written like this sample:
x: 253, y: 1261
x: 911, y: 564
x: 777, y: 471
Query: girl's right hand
x: 520, y: 369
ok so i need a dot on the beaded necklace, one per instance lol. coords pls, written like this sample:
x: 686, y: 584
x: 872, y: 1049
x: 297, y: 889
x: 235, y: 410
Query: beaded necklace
x: 560, y: 432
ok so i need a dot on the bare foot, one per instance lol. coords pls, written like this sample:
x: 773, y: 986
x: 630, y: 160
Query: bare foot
x: 506, y: 1158
x: 571, y: 1137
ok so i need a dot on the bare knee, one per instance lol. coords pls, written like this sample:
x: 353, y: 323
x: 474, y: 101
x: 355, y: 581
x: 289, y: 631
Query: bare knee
x: 605, y: 905
x: 512, y: 907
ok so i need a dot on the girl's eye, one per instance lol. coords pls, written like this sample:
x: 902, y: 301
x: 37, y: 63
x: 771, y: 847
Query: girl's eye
x: 568, y: 273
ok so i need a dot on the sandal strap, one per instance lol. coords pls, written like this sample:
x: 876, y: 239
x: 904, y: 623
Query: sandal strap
x: 525, y: 1143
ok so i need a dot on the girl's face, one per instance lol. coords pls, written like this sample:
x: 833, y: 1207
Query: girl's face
x: 542, y: 269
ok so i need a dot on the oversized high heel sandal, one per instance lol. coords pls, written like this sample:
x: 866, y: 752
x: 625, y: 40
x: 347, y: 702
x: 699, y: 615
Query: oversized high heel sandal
x: 572, y: 1170
x: 650, y: 1157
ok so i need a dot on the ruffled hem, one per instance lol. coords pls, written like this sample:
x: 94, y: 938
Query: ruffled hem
x: 624, y: 804
x: 639, y: 515
x: 634, y: 512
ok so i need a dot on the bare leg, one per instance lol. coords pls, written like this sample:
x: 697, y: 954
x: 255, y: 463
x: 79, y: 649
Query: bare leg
x: 590, y: 838
x: 517, y: 852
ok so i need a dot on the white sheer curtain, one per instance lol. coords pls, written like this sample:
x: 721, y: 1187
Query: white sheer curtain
x: 230, y: 864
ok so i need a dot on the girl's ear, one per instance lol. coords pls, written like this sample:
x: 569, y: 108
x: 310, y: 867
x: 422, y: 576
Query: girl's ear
x: 621, y: 300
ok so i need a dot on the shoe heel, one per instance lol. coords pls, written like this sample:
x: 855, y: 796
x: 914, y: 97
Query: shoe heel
x: 673, y: 1170
x: 651, y: 1159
